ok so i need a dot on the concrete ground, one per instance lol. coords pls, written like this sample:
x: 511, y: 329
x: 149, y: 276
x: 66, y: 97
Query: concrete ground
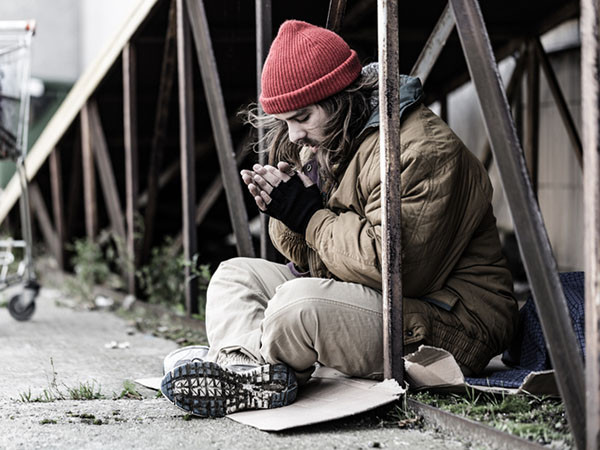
x: 61, y: 349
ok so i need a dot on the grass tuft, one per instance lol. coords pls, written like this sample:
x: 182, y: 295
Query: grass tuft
x: 129, y: 391
x: 85, y: 391
x: 538, y: 418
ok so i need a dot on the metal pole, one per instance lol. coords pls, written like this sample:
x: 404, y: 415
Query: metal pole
x: 532, y: 116
x: 220, y: 126
x: 161, y: 123
x: 58, y: 206
x: 391, y: 202
x: 131, y: 158
x: 89, y: 179
x: 337, y: 8
x: 264, y: 36
x: 186, y: 141
x: 108, y: 183
x: 590, y: 104
x: 434, y: 46
x: 533, y: 240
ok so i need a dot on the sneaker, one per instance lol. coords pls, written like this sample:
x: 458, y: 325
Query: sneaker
x: 207, y: 389
x: 184, y: 354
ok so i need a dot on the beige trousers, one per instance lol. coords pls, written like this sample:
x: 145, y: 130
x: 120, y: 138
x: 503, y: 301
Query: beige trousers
x: 260, y: 309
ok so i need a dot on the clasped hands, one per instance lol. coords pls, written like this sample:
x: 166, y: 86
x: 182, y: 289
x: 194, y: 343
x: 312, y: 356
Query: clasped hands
x: 284, y: 194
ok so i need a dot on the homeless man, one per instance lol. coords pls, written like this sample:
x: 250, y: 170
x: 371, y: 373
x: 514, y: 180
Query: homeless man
x: 267, y: 323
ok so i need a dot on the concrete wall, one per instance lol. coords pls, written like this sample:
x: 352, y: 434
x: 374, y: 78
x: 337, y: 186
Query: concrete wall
x: 560, y: 191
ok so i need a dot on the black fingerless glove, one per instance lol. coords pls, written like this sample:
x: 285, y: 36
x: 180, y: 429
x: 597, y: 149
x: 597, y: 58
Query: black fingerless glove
x: 294, y: 204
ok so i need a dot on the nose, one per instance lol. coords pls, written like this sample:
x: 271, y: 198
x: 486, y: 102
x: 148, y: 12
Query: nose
x: 295, y: 132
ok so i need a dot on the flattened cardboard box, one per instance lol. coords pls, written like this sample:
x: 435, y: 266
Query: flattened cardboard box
x: 328, y: 395
x: 331, y: 395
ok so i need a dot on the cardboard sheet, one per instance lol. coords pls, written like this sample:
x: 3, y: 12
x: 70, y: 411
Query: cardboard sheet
x: 327, y: 396
x: 435, y: 368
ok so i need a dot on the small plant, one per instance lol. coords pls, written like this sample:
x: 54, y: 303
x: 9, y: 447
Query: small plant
x: 90, y: 268
x: 47, y: 421
x: 103, y: 260
x: 85, y: 391
x: 129, y: 391
x: 25, y: 397
x: 537, y: 418
x: 163, y: 279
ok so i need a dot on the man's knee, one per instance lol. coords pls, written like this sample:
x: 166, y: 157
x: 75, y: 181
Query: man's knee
x: 291, y: 320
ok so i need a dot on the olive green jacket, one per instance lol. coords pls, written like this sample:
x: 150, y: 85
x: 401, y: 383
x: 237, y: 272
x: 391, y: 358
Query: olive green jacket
x: 450, y: 246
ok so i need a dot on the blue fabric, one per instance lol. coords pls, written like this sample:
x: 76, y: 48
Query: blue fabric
x: 528, y: 351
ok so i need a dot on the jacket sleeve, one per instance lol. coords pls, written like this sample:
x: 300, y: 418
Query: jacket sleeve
x: 348, y: 240
x: 436, y: 223
x: 291, y: 245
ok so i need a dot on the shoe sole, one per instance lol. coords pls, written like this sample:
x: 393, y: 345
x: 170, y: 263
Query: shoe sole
x: 207, y: 389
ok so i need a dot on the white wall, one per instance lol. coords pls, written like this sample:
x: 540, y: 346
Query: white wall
x: 70, y: 33
x: 101, y: 20
x: 56, y: 46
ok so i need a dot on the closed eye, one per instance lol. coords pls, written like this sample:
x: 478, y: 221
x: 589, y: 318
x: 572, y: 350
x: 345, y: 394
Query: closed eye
x: 302, y: 118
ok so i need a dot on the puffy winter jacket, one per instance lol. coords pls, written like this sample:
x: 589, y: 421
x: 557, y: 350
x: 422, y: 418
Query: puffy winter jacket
x: 450, y: 246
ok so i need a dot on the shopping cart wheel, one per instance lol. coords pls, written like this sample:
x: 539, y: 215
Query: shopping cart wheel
x: 17, y: 311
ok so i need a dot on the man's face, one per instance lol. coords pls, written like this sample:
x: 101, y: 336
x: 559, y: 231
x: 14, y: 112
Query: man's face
x: 305, y: 125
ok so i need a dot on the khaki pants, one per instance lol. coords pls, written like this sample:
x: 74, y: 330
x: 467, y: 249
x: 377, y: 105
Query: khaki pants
x: 260, y: 309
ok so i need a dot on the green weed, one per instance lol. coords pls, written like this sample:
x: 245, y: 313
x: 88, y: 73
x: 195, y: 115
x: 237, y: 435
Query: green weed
x: 129, y: 391
x: 537, y: 418
x: 47, y: 421
x: 163, y: 280
x: 55, y: 391
x: 85, y: 391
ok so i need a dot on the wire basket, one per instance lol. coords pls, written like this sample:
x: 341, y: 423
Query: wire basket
x: 15, y: 57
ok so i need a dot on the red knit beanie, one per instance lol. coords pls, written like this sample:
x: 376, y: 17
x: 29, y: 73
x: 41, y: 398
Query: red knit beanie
x: 305, y: 64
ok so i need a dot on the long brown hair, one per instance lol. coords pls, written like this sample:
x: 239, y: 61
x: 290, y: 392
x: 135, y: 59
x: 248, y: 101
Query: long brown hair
x: 347, y: 111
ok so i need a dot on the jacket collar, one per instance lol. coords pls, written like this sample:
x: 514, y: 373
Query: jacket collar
x: 411, y: 93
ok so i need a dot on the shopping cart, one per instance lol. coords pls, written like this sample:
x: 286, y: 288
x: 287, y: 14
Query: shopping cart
x: 15, y: 59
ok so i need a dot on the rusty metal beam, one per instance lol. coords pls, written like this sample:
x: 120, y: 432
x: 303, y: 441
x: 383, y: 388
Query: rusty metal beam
x: 533, y: 240
x: 264, y: 36
x: 131, y: 158
x: 590, y: 112
x: 476, y: 432
x: 107, y: 175
x: 58, y: 206
x: 75, y: 175
x: 335, y: 15
x: 434, y: 45
x: 186, y: 140
x: 559, y: 99
x: 40, y: 211
x: 89, y: 179
x: 391, y: 201
x: 532, y: 117
x: 161, y: 119
x: 218, y: 119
